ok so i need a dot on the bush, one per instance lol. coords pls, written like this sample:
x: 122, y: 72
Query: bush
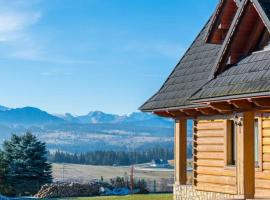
x: 142, y: 186
x: 119, y: 182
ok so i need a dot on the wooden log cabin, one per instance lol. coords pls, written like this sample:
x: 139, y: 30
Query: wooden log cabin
x: 222, y: 83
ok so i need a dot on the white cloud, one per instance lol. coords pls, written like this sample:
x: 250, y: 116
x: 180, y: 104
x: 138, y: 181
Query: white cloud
x: 12, y: 22
x: 37, y: 55
x: 16, y: 17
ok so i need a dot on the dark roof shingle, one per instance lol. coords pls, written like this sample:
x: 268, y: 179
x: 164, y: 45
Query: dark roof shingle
x: 189, y: 75
x: 190, y: 80
x: 250, y: 75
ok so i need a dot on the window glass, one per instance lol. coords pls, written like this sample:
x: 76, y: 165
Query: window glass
x: 256, y: 141
x: 231, y: 142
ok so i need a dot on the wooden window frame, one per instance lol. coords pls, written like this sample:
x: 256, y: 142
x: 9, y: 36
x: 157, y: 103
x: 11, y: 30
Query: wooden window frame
x: 227, y: 144
x: 228, y: 140
x: 259, y: 167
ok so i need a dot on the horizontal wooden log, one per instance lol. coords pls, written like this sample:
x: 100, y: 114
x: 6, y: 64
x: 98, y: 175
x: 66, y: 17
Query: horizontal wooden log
x: 266, y: 157
x: 266, y: 165
x: 210, y: 163
x: 212, y: 121
x: 262, y: 193
x: 266, y: 123
x: 262, y: 175
x: 211, y: 133
x: 266, y: 148
x: 266, y: 132
x: 260, y: 183
x: 210, y: 141
x: 210, y: 148
x: 223, y: 180
x: 215, y: 171
x: 216, y: 188
x: 266, y: 141
x: 210, y: 126
x: 210, y: 155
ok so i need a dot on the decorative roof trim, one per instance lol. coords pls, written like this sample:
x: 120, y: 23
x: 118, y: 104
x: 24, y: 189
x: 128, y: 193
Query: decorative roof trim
x: 215, y: 16
x: 261, y: 13
x: 213, y: 19
x: 238, y: 2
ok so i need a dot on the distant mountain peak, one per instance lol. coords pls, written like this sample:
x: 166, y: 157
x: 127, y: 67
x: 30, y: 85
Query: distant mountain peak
x: 27, y: 116
x: 96, y: 112
x: 3, y: 108
x: 68, y: 115
x: 97, y: 117
x: 135, y: 118
x: 35, y: 116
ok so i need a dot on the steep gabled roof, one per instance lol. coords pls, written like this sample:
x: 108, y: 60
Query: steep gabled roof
x: 204, y: 74
x: 189, y: 75
x: 238, y: 42
x: 251, y: 75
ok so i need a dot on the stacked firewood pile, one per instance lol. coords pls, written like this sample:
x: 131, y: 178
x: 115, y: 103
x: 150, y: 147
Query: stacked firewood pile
x: 58, y: 190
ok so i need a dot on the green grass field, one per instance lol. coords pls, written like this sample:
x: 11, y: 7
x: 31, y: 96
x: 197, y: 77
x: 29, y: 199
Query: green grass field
x: 130, y: 197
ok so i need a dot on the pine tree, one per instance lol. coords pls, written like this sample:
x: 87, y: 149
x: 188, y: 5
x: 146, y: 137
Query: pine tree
x: 113, y: 157
x: 27, y: 163
x: 4, y: 186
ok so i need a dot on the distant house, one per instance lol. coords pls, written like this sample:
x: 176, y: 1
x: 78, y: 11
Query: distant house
x: 160, y: 163
x: 222, y: 84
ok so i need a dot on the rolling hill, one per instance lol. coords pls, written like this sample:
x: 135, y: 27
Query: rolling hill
x: 95, y: 131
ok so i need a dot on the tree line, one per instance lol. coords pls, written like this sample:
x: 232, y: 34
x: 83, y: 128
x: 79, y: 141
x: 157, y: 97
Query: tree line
x: 112, y: 157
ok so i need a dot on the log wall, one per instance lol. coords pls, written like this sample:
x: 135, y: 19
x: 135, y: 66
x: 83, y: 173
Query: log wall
x: 210, y: 170
x: 262, y: 174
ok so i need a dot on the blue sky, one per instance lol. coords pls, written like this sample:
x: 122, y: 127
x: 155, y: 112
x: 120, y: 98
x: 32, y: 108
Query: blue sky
x: 76, y: 56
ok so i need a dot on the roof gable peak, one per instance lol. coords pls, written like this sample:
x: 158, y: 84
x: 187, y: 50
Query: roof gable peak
x: 249, y: 28
x: 221, y: 21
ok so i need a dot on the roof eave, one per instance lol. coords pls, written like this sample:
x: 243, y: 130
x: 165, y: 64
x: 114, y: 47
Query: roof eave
x: 231, y: 97
x: 173, y: 108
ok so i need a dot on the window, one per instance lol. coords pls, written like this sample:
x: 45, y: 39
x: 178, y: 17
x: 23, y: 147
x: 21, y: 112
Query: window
x: 231, y: 142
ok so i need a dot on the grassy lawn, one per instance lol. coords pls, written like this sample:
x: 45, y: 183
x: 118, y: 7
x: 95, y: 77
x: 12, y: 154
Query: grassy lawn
x: 130, y: 197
